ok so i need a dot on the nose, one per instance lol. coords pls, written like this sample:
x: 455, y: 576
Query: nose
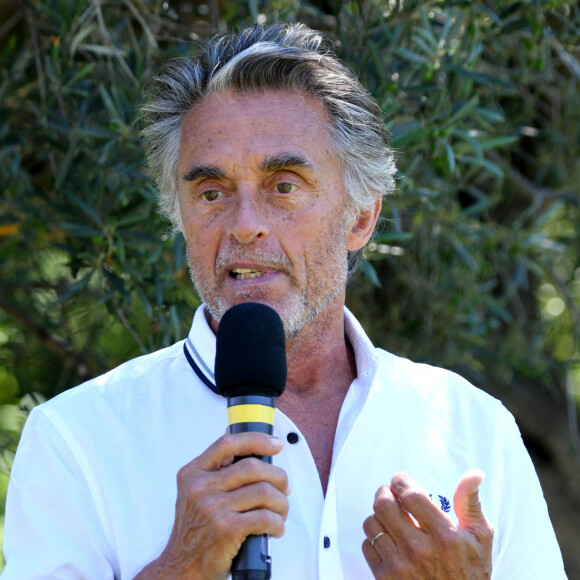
x: 248, y: 222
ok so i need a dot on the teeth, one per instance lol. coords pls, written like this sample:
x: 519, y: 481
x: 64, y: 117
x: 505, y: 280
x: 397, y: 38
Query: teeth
x: 245, y: 273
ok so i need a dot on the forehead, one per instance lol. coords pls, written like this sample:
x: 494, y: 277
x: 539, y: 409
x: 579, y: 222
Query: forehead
x: 239, y: 128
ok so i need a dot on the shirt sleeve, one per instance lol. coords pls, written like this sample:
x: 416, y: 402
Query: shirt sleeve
x: 52, y: 528
x: 525, y: 545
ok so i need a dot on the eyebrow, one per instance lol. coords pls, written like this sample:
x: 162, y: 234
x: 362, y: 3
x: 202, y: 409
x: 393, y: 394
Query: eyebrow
x: 283, y: 161
x: 200, y: 171
x: 271, y: 163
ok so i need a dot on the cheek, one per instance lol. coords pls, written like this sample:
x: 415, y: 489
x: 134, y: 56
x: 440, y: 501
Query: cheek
x: 202, y: 232
x: 325, y: 246
x: 202, y: 246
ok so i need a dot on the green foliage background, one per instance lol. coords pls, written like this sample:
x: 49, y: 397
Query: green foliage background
x: 476, y: 266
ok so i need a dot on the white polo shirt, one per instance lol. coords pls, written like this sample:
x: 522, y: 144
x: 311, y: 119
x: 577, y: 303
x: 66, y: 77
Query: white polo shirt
x: 92, y: 490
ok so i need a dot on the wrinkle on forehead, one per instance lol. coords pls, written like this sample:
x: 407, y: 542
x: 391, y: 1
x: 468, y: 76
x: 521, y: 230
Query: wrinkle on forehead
x: 219, y: 102
x: 252, y: 115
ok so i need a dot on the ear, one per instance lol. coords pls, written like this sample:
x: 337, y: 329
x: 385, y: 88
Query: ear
x: 363, y: 226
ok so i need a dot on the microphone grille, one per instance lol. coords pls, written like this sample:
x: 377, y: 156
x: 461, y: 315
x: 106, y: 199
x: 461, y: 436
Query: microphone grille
x: 250, y: 352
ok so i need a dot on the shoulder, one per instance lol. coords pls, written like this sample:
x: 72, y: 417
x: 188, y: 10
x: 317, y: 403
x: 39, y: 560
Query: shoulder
x: 423, y: 376
x: 421, y: 387
x: 129, y: 381
x: 436, y: 388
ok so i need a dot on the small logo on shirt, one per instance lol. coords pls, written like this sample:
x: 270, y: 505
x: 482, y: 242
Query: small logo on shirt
x: 445, y: 505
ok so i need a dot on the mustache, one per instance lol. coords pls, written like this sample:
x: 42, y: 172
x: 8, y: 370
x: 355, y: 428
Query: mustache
x: 258, y: 256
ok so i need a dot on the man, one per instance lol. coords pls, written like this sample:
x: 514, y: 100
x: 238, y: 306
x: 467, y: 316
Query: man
x: 272, y: 160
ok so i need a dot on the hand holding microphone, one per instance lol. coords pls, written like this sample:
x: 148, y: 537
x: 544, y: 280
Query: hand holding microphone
x: 222, y: 501
x: 250, y: 371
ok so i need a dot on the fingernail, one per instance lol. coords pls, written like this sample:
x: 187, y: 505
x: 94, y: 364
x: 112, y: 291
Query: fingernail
x: 275, y: 441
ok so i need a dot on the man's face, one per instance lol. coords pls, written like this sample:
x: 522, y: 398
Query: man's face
x: 263, y: 205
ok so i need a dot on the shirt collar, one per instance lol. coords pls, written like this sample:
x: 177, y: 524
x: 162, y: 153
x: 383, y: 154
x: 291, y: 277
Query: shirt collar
x: 200, y: 345
x: 365, y: 353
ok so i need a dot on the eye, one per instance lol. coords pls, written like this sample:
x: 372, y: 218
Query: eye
x: 211, y: 195
x: 286, y: 187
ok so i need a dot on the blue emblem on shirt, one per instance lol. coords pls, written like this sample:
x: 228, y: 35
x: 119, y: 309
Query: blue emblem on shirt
x: 445, y: 504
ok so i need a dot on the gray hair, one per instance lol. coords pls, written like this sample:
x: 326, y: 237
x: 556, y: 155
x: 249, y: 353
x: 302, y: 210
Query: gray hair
x: 280, y: 57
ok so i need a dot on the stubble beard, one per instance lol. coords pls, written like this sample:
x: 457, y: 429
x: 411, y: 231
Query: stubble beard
x: 300, y: 305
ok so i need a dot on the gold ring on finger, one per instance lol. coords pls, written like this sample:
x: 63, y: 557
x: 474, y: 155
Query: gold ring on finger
x: 377, y: 537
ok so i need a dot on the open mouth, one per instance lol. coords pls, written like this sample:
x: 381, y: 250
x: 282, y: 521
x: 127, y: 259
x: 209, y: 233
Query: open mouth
x: 245, y: 273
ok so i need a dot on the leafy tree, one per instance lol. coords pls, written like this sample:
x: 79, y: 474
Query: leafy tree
x: 476, y: 266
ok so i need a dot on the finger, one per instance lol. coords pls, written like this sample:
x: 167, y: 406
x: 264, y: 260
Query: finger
x: 416, y: 501
x: 377, y: 549
x: 466, y: 501
x: 251, y: 470
x: 377, y: 536
x: 261, y: 521
x: 371, y: 555
x: 372, y: 527
x: 259, y: 496
x: 223, y: 451
x: 391, y: 515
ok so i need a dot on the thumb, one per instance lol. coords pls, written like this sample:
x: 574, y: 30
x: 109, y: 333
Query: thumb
x: 466, y: 500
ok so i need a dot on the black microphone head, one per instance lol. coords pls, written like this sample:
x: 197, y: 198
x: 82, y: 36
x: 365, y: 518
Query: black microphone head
x: 250, y: 352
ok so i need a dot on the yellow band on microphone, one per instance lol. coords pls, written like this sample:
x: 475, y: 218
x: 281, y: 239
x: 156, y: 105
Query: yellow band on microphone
x: 251, y: 414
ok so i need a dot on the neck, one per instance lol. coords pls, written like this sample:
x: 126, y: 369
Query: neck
x: 320, y: 357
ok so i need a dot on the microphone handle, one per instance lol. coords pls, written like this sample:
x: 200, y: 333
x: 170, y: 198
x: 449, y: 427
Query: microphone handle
x: 252, y: 413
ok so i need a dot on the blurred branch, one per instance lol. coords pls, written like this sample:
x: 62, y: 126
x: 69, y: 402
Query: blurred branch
x: 568, y: 299
x: 567, y: 59
x: 8, y: 286
x: 55, y: 345
x: 107, y: 38
x: 10, y: 23
x: 570, y: 397
x: 572, y: 416
x: 37, y: 59
x: 128, y: 326
x: 40, y: 75
x: 150, y: 36
x: 535, y: 193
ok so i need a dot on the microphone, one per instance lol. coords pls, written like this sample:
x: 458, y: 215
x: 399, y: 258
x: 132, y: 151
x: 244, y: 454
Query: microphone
x: 250, y: 371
